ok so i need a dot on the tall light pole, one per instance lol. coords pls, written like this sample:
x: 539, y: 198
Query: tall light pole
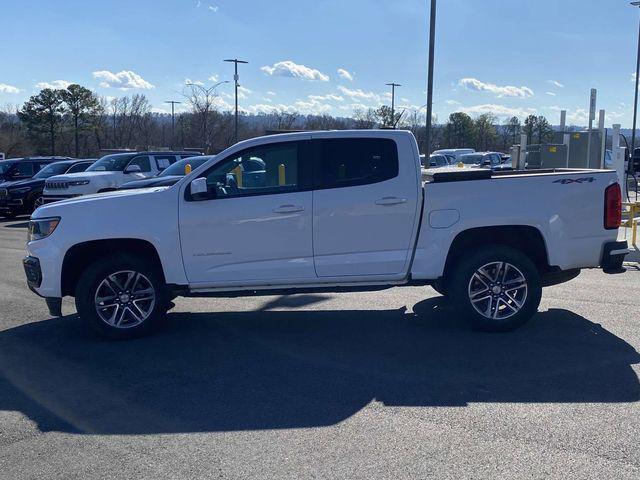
x: 393, y: 102
x: 635, y: 101
x: 173, y: 123
x: 432, y: 44
x: 236, y: 78
x: 207, y: 92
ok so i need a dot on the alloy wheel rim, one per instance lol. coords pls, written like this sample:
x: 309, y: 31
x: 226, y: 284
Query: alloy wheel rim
x: 125, y: 299
x: 498, y: 290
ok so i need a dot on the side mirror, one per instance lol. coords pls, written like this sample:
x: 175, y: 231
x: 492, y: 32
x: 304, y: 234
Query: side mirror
x: 133, y: 169
x: 198, y: 189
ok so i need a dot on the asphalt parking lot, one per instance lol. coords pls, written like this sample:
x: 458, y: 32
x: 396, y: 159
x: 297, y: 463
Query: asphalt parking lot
x: 376, y: 385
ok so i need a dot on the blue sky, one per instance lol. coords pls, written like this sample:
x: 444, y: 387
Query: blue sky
x: 330, y: 56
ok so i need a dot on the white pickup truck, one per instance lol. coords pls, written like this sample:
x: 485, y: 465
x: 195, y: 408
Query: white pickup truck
x: 329, y: 211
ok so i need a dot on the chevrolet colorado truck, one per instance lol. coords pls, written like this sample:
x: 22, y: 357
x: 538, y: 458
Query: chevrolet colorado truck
x: 328, y: 212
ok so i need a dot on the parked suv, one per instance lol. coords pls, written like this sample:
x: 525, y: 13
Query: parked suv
x: 108, y: 173
x: 23, y: 168
x: 492, y: 160
x: 169, y: 176
x: 22, y: 197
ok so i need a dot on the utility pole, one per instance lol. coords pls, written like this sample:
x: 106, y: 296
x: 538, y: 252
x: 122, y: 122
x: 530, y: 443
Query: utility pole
x: 173, y: 123
x: 432, y: 43
x: 236, y: 78
x: 635, y: 101
x: 393, y: 102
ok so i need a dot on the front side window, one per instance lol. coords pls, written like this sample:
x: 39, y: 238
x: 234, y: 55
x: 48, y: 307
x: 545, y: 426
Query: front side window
x: 268, y: 169
x: 143, y: 162
x: 346, y: 162
x: 24, y: 169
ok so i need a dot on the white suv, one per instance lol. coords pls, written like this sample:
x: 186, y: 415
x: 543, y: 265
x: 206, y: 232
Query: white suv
x: 108, y: 173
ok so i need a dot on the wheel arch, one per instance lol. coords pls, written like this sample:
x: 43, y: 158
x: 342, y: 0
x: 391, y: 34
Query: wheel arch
x: 79, y: 256
x: 527, y: 239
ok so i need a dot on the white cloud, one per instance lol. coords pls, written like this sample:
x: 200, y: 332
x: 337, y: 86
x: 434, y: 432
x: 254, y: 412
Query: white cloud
x: 4, y: 88
x: 312, y: 107
x: 124, y: 80
x: 213, y: 78
x: 213, y: 8
x: 294, y: 70
x: 555, y: 83
x: 267, y: 108
x: 498, y: 110
x: 506, y: 91
x: 328, y: 97
x: 551, y: 94
x: 187, y: 81
x: 452, y: 102
x: 55, y: 85
x: 243, y: 92
x: 345, y: 74
x: 273, y: 94
x: 359, y: 95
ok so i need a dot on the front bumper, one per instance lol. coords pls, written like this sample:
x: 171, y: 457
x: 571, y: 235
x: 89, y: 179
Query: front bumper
x: 613, y: 257
x: 33, y: 272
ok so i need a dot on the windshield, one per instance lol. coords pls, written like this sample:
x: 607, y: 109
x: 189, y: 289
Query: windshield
x: 5, y: 167
x: 51, y: 170
x: 471, y: 159
x: 177, y: 169
x: 111, y: 163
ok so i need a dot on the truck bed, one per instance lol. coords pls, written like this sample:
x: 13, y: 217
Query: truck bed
x: 455, y: 174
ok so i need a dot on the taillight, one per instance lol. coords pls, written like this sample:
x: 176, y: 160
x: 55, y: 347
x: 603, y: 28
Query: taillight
x: 612, y: 207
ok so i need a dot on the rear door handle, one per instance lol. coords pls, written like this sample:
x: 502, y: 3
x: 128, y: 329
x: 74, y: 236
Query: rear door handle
x: 386, y: 201
x: 289, y: 209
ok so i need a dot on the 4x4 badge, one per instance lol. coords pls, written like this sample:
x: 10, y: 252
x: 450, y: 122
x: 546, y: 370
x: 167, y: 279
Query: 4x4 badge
x: 567, y: 181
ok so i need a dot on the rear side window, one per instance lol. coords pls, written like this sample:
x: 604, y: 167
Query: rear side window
x: 347, y: 162
x: 164, y: 161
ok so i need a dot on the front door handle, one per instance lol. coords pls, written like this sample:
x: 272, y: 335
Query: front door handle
x: 387, y: 201
x: 288, y: 209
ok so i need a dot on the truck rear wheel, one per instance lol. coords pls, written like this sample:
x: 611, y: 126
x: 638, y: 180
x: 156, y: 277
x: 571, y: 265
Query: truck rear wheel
x: 122, y: 297
x: 498, y: 288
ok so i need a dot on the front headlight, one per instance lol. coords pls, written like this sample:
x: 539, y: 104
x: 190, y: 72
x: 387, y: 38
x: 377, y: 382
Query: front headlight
x: 78, y: 183
x: 42, y: 227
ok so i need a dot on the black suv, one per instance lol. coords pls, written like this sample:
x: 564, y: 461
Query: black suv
x: 23, y: 196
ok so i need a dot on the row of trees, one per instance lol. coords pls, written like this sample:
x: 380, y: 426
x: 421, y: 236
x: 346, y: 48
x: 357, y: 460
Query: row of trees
x: 485, y: 133
x: 76, y: 122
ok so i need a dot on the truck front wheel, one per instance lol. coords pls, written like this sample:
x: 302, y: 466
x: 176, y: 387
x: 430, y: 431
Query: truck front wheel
x: 121, y: 297
x: 498, y: 288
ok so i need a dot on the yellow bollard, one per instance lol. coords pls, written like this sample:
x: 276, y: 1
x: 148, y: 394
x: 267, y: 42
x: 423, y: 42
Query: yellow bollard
x: 238, y: 173
x: 187, y: 169
x: 282, y: 175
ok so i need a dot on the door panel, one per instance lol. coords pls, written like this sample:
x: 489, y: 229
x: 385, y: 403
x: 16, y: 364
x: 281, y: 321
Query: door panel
x: 258, y: 226
x: 367, y: 228
x: 248, y: 239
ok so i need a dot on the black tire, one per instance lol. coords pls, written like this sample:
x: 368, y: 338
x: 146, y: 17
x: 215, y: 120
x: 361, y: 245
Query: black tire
x: 92, y: 279
x: 515, y: 307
